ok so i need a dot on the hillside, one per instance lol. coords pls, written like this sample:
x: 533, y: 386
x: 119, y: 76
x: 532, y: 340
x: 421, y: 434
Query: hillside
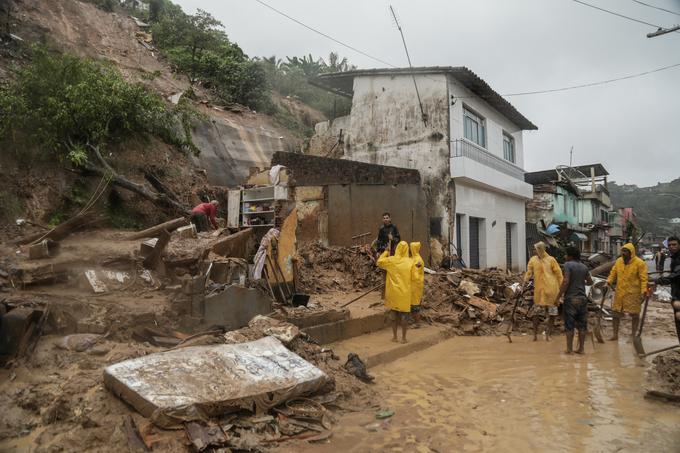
x: 230, y: 138
x: 654, y: 206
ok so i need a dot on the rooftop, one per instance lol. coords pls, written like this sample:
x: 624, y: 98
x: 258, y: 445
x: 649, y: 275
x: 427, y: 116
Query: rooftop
x: 547, y: 176
x: 342, y: 83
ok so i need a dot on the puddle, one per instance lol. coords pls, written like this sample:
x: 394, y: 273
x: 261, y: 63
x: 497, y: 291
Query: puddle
x: 485, y: 394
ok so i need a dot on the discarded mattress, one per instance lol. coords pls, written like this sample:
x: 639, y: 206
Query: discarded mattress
x: 197, y: 382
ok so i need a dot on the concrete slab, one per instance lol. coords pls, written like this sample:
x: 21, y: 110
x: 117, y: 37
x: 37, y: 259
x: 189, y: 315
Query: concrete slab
x: 377, y: 348
x: 347, y: 328
x: 234, y: 307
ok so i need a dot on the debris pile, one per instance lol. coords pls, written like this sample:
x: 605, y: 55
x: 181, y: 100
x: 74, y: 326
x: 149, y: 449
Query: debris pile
x: 665, y: 374
x: 470, y: 299
x: 323, y: 269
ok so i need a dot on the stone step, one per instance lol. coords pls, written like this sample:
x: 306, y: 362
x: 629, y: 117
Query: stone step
x: 377, y: 348
x: 347, y: 328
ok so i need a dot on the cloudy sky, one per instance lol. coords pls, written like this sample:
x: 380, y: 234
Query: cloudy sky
x: 632, y: 126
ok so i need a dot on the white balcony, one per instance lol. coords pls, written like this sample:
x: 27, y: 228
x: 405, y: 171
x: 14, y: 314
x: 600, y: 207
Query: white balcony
x: 474, y: 165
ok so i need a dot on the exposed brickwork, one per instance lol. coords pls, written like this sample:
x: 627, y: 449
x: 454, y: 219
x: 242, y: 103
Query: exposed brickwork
x: 306, y: 170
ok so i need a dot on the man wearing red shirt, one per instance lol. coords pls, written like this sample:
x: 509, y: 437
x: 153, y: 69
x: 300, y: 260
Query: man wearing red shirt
x: 202, y: 213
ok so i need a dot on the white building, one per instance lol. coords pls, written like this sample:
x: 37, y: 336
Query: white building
x: 466, y: 141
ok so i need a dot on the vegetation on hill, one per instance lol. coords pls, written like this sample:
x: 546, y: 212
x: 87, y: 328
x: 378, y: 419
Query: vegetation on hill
x: 72, y: 110
x: 654, y: 206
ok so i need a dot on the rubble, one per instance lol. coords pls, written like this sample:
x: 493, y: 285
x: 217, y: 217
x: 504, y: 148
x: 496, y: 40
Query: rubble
x: 322, y: 269
x: 665, y: 373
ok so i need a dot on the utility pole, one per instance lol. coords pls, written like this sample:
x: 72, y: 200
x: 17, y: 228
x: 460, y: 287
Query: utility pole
x: 408, y: 57
x: 663, y: 31
x: 571, y: 154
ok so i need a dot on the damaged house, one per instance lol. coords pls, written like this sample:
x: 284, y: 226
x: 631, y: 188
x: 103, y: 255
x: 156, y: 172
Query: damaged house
x: 577, y: 200
x: 463, y: 138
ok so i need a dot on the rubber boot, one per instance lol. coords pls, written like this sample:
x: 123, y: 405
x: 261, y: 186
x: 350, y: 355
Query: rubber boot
x: 615, y: 324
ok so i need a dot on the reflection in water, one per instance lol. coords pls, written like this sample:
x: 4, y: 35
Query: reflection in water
x: 484, y: 394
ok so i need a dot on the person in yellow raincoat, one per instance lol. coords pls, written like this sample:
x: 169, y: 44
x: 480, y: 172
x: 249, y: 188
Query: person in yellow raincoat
x: 398, y: 287
x: 417, y: 281
x: 547, y: 276
x: 630, y: 276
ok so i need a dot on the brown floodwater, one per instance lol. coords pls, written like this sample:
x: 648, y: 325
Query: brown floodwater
x: 485, y: 394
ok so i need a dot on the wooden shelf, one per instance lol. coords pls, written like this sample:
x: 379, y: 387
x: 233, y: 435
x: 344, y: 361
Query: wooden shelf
x: 260, y: 225
x: 258, y: 199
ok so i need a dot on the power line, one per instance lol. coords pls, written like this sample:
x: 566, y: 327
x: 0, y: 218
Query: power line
x: 325, y: 35
x: 656, y: 7
x: 618, y: 14
x: 591, y: 84
x: 525, y: 93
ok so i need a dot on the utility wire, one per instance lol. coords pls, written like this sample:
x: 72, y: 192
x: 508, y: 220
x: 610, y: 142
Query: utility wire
x: 591, y: 84
x: 574, y: 87
x: 656, y: 7
x: 618, y: 14
x: 325, y: 35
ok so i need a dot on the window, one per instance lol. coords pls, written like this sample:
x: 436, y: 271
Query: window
x: 474, y: 127
x: 508, y: 148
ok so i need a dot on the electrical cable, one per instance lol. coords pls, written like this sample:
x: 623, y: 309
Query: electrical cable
x: 656, y: 7
x: 525, y: 93
x: 325, y: 35
x: 618, y: 14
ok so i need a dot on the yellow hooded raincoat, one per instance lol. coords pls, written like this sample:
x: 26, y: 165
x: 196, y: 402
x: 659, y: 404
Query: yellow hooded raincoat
x: 631, y: 282
x: 547, y: 277
x: 398, y: 282
x: 417, y: 274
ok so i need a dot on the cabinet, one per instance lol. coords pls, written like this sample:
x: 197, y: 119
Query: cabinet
x: 256, y: 207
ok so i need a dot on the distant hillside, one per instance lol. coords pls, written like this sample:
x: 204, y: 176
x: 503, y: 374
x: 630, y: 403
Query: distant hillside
x: 654, y: 206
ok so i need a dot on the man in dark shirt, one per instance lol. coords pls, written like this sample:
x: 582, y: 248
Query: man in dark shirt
x: 388, y: 236
x: 673, y: 279
x: 575, y: 309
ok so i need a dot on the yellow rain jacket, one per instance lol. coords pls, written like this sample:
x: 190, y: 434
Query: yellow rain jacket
x: 417, y: 274
x: 547, y: 277
x: 631, y: 282
x: 398, y: 282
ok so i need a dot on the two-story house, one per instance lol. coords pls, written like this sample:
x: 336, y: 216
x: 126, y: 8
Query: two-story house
x: 463, y: 137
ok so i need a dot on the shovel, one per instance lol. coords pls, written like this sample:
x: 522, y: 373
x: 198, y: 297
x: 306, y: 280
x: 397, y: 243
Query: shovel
x: 518, y: 296
x: 597, y: 329
x: 637, y: 338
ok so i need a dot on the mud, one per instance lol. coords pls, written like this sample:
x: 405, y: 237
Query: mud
x: 325, y: 269
x: 484, y: 394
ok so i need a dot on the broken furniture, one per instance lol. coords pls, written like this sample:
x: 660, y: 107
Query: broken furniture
x: 20, y: 329
x: 194, y: 383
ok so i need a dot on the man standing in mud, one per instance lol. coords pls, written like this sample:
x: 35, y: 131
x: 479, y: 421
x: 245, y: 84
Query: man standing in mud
x: 629, y: 274
x: 547, y: 276
x: 673, y: 279
x: 575, y: 309
x: 388, y: 235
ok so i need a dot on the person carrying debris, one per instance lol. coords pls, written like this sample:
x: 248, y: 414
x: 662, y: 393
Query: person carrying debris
x: 547, y: 276
x: 629, y: 274
x: 575, y: 309
x: 417, y: 281
x: 398, y: 287
x: 388, y: 235
x: 673, y: 279
x: 203, y: 213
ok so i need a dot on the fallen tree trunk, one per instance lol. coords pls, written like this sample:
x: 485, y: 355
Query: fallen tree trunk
x: 154, y: 231
x: 125, y: 183
x: 60, y: 231
x: 603, y: 270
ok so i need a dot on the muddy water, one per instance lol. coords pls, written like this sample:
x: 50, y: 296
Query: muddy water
x: 484, y: 394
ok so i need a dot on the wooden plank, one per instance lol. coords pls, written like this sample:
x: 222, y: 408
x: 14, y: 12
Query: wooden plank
x: 156, y: 230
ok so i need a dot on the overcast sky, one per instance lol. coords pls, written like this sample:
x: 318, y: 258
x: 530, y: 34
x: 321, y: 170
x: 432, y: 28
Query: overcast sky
x: 632, y: 126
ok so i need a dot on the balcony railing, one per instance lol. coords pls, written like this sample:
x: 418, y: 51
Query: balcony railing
x: 464, y: 148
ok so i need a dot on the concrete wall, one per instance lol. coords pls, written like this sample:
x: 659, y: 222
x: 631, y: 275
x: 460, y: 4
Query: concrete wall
x: 386, y: 128
x: 472, y: 201
x: 567, y: 207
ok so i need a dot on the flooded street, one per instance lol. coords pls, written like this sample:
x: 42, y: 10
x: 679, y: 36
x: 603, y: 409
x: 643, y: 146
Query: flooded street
x: 484, y: 394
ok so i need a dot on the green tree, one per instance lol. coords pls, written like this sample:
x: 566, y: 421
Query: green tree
x: 73, y: 109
